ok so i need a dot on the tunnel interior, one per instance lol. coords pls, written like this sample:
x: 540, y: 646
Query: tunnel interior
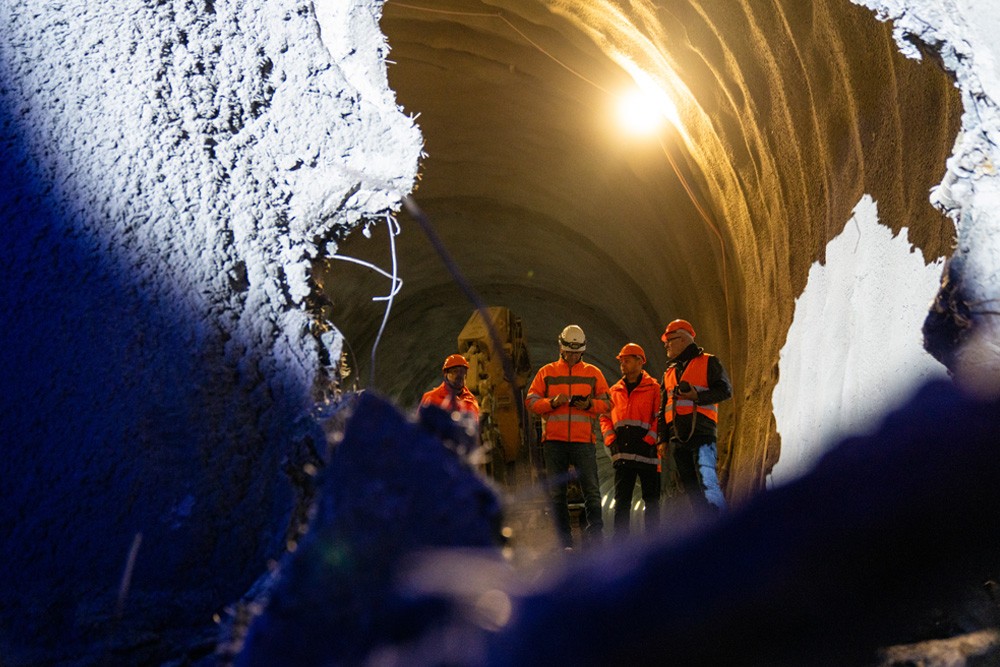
x: 180, y: 171
x: 787, y: 113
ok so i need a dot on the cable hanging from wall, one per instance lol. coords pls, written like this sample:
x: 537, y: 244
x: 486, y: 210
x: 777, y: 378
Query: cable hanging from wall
x: 397, y: 284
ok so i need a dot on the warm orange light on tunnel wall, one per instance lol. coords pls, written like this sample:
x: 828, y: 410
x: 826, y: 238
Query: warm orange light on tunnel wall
x: 646, y: 108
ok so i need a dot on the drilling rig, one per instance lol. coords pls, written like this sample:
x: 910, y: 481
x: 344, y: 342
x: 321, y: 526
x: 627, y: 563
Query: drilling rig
x: 506, y: 426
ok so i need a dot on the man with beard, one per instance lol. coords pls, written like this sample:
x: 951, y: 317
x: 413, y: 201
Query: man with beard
x: 630, y: 432
x: 694, y: 384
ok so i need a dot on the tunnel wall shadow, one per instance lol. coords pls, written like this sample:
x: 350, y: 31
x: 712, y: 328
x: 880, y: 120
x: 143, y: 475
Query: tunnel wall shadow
x: 122, y: 413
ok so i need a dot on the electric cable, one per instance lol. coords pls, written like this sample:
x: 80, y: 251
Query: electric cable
x: 397, y: 284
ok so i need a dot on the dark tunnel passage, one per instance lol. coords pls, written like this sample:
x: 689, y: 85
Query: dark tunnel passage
x: 788, y: 113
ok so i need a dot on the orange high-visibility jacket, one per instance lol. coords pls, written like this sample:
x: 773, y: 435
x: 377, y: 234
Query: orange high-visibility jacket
x: 639, y: 409
x: 696, y: 374
x: 444, y: 399
x: 565, y: 423
x: 634, y: 415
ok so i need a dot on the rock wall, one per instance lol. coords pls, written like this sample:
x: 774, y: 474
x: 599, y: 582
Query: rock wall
x: 963, y: 327
x: 170, y: 171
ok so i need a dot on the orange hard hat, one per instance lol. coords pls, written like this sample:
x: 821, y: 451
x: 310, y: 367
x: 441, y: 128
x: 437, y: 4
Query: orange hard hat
x: 677, y: 325
x: 633, y: 350
x: 454, y: 360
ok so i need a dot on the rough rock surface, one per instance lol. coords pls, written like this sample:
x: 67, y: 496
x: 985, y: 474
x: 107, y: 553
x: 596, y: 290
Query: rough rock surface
x: 391, y: 492
x: 170, y: 171
x: 963, y: 327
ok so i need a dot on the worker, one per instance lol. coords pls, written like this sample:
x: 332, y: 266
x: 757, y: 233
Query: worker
x: 630, y: 432
x: 569, y: 394
x: 693, y: 386
x: 454, y: 398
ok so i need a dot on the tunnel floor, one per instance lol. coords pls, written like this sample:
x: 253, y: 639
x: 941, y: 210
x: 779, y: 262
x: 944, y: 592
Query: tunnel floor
x: 532, y: 540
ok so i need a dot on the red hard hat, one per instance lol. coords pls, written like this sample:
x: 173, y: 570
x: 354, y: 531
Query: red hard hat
x: 675, y: 326
x: 454, y: 360
x: 633, y: 350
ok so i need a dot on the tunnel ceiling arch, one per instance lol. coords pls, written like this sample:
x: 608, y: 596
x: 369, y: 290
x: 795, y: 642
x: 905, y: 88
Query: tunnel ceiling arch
x: 789, y: 113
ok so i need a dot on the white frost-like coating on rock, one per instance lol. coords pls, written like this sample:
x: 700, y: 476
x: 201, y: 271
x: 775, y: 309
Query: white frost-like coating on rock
x: 171, y: 170
x: 854, y: 349
x: 965, y: 34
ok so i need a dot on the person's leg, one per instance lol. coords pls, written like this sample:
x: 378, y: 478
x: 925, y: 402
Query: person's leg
x: 711, y: 488
x: 556, y: 467
x: 585, y: 460
x: 624, y: 486
x: 686, y: 459
x: 649, y: 479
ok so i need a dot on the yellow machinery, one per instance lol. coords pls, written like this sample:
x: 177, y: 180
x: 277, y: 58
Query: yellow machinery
x: 504, y: 421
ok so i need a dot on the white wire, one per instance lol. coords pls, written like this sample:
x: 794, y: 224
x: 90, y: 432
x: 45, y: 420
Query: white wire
x: 393, y: 225
x: 369, y: 265
x: 397, y: 284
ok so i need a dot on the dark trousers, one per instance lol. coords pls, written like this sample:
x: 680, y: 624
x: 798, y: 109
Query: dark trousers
x: 649, y: 481
x: 558, y: 457
x: 696, y: 470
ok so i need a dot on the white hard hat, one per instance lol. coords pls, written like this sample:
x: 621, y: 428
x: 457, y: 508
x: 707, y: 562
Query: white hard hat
x: 572, y: 339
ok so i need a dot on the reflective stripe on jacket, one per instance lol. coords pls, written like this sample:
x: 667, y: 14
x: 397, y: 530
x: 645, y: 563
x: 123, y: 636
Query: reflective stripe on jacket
x: 637, y: 409
x: 695, y: 374
x: 631, y: 424
x: 566, y: 423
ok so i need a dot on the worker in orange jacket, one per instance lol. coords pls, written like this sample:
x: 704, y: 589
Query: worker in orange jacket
x: 694, y: 384
x: 453, y: 397
x: 629, y: 430
x: 569, y: 394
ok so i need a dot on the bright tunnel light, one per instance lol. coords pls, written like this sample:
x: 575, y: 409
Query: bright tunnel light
x: 638, y: 113
x: 643, y: 111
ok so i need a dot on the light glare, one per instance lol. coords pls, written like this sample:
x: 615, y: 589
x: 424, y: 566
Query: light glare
x: 638, y: 113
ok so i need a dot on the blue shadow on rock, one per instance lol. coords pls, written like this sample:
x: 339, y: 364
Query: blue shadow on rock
x: 822, y: 571
x: 391, y: 490
x: 121, y: 413
x: 825, y: 570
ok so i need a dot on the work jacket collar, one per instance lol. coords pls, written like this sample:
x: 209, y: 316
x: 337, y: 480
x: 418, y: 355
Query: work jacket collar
x: 566, y: 363
x: 644, y: 379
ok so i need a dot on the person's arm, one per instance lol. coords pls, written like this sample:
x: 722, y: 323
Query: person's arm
x: 656, y: 410
x: 607, y: 429
x: 600, y: 402
x: 537, y: 402
x: 427, y: 398
x: 662, y: 429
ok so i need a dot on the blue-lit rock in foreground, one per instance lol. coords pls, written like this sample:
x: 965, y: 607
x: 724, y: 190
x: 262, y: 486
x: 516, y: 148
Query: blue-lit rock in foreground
x: 391, y: 490
x: 825, y: 570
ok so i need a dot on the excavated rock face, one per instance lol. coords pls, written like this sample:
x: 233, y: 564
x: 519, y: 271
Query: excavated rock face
x: 789, y: 113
